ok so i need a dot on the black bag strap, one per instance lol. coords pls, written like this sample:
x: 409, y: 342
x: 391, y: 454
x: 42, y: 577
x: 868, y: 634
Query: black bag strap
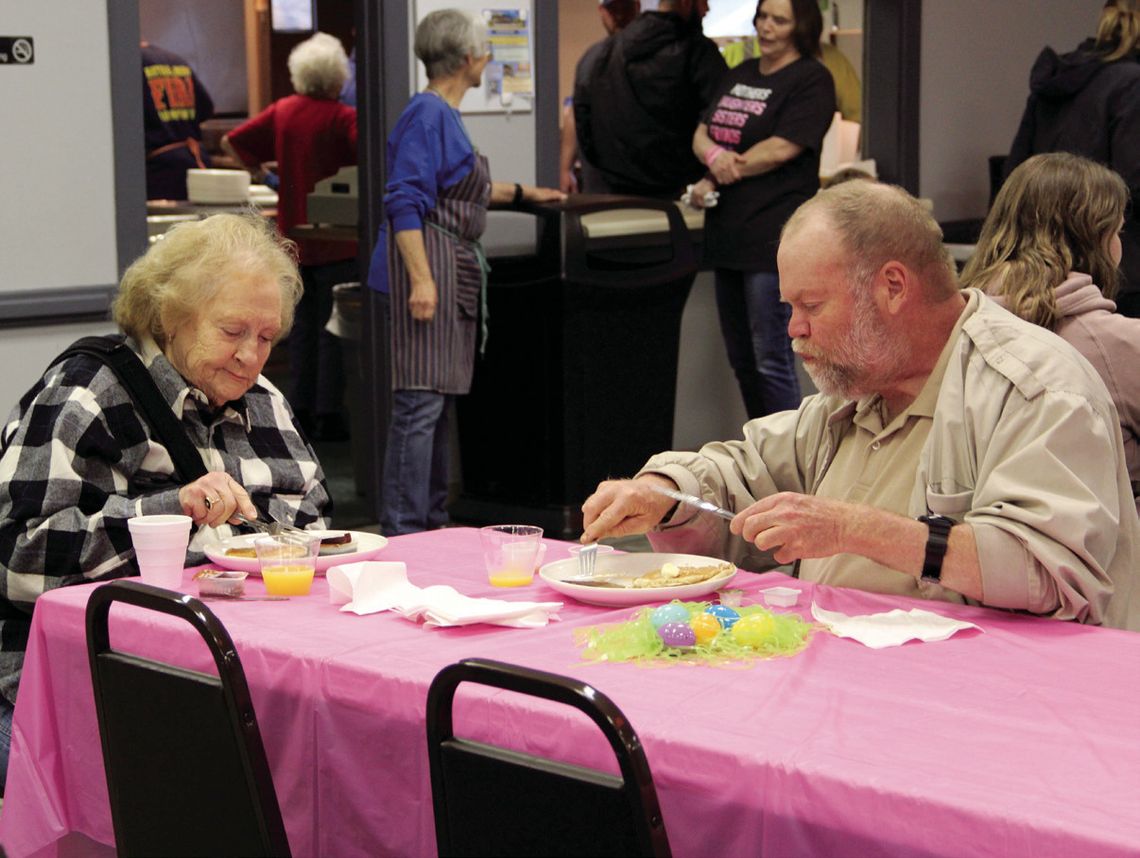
x: 115, y: 353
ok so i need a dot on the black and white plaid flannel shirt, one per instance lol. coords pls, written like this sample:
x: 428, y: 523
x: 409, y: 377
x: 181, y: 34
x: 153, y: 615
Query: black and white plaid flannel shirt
x: 77, y: 460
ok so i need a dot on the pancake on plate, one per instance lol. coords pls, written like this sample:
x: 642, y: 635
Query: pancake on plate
x: 671, y: 575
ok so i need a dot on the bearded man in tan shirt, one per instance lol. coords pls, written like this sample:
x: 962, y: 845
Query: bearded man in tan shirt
x: 954, y: 452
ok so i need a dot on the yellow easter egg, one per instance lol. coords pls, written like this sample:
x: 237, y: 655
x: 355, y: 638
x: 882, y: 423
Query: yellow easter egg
x: 754, y: 630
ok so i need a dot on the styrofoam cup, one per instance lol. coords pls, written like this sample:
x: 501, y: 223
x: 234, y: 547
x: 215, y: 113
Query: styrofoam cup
x: 160, y: 543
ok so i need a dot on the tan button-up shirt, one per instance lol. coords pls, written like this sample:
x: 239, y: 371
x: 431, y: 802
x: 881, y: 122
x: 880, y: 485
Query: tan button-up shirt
x: 1023, y: 445
x: 875, y: 465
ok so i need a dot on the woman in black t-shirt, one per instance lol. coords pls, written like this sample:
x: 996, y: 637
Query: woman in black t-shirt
x: 761, y: 139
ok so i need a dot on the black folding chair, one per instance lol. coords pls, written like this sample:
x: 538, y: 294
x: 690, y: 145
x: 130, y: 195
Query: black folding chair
x: 186, y: 768
x: 496, y: 801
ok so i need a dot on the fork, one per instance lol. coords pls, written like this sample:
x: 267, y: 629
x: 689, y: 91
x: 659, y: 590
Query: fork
x: 587, y: 557
x: 273, y: 528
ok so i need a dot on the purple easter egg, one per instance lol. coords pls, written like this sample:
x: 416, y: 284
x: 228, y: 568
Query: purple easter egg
x: 677, y: 634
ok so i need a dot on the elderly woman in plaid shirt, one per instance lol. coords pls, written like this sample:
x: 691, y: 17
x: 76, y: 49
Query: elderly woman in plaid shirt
x: 201, y: 309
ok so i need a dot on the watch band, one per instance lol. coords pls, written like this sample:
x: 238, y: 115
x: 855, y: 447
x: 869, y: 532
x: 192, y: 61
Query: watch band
x: 936, y: 544
x: 518, y: 195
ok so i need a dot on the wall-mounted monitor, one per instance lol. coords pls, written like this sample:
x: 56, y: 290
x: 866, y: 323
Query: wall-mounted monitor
x: 293, y: 16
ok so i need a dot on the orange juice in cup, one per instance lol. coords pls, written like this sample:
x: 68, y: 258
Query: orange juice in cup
x: 510, y: 552
x: 288, y: 562
x: 289, y: 579
x: 511, y: 578
x: 508, y: 577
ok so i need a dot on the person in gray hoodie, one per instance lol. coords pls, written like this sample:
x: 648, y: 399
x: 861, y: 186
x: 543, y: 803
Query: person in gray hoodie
x: 1087, y: 102
x: 1059, y: 270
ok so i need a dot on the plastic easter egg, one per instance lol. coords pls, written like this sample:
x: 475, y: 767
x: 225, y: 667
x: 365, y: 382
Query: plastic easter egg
x: 754, y: 631
x: 706, y: 627
x: 726, y: 616
x: 671, y: 613
x: 677, y: 634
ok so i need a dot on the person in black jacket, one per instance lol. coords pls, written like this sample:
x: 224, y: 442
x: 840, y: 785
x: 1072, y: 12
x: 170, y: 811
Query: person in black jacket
x: 636, y: 113
x: 175, y: 104
x: 616, y: 15
x: 1087, y: 102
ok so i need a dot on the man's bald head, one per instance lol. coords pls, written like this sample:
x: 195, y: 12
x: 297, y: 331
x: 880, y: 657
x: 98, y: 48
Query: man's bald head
x: 875, y: 224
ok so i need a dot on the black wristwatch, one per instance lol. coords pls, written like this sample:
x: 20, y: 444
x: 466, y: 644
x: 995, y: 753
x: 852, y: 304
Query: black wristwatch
x: 936, y: 544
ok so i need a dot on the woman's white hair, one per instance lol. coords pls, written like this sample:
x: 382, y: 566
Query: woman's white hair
x: 318, y: 67
x: 168, y: 284
x: 445, y: 38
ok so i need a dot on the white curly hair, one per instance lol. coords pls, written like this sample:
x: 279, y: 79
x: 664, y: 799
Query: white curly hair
x: 318, y: 67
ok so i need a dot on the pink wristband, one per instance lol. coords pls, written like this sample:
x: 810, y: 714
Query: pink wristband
x: 712, y: 153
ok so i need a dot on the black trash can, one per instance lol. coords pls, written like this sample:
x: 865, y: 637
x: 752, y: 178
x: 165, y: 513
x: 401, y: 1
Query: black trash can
x: 578, y: 380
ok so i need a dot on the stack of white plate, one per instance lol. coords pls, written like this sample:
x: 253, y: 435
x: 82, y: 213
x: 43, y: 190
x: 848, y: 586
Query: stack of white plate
x: 217, y: 187
x: 262, y: 195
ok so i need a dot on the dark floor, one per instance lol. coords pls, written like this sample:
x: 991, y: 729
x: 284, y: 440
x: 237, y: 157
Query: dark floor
x: 347, y: 485
x: 351, y: 510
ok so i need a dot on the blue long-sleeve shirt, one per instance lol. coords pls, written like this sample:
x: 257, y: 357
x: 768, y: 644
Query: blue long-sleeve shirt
x: 428, y: 151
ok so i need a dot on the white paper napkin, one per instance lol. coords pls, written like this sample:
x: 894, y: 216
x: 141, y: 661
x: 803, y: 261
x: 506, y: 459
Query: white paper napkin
x: 891, y: 628
x: 370, y: 586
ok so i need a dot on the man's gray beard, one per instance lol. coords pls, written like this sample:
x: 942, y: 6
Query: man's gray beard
x: 832, y: 379
x: 863, y: 361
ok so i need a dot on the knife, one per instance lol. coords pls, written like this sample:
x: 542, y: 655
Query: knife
x: 622, y: 583
x: 693, y: 500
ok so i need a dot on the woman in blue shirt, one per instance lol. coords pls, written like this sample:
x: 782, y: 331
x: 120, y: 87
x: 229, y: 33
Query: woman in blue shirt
x: 429, y: 260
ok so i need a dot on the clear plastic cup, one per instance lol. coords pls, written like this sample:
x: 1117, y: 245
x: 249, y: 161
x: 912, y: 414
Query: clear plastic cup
x: 510, y: 552
x: 160, y: 543
x: 288, y: 562
x: 780, y: 597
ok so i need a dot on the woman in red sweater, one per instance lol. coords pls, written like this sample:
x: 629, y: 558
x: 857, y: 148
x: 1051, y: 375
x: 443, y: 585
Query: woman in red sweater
x: 310, y: 135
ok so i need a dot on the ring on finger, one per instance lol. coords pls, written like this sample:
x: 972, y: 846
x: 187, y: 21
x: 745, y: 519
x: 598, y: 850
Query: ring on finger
x: 209, y: 502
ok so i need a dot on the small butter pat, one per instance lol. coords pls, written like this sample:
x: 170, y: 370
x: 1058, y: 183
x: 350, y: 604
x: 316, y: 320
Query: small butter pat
x: 218, y: 582
x: 669, y: 570
x: 780, y: 597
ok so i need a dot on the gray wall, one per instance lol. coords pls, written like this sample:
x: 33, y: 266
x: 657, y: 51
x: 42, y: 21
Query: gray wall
x: 976, y: 56
x: 72, y: 206
x: 57, y: 207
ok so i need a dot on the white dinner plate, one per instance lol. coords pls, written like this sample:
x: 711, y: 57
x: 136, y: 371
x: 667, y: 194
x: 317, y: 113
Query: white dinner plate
x: 368, y: 545
x: 633, y: 565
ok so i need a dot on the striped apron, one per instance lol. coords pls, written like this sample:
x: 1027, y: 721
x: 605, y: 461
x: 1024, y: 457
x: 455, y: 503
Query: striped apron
x: 440, y: 355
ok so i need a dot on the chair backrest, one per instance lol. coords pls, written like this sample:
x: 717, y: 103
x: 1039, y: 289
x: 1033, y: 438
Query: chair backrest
x: 497, y: 801
x: 186, y: 768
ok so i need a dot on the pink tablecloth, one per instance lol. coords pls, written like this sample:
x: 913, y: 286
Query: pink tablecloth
x: 1020, y: 740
